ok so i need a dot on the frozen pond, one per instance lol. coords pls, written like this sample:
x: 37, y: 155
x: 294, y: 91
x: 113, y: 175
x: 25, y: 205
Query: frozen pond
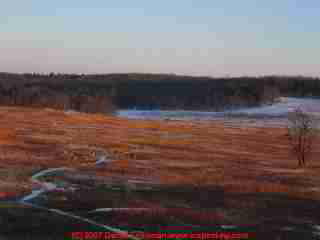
x: 283, y: 107
x: 273, y: 114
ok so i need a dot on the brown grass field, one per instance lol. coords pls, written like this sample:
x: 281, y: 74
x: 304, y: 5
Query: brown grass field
x: 240, y: 159
x: 237, y: 174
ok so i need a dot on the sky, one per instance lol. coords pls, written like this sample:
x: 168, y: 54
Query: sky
x: 190, y: 37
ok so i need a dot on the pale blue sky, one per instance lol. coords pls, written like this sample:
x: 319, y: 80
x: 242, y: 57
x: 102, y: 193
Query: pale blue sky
x: 194, y: 37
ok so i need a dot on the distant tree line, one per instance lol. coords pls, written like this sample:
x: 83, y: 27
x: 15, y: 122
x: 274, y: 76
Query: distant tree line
x: 105, y: 93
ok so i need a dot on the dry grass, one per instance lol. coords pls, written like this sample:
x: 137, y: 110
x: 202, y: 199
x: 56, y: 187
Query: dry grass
x: 172, y: 152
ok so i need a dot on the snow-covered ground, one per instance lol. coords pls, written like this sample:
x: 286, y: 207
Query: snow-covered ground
x: 268, y: 114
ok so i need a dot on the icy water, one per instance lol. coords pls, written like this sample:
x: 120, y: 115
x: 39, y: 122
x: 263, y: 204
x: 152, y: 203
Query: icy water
x: 275, y: 114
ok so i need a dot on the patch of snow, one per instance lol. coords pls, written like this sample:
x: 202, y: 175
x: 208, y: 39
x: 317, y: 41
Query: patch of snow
x: 118, y: 209
x: 49, y: 186
x: 33, y: 195
x: 102, y: 160
x: 228, y: 227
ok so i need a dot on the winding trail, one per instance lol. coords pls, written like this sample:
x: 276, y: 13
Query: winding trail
x: 47, y: 186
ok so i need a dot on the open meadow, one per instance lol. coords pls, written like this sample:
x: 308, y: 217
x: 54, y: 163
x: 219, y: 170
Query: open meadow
x: 125, y: 172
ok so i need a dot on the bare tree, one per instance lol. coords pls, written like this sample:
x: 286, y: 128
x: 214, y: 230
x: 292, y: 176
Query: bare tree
x: 301, y: 133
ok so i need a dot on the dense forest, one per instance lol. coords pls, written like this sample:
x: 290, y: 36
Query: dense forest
x: 105, y: 93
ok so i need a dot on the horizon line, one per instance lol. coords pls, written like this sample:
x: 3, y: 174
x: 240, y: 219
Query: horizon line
x: 165, y: 74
